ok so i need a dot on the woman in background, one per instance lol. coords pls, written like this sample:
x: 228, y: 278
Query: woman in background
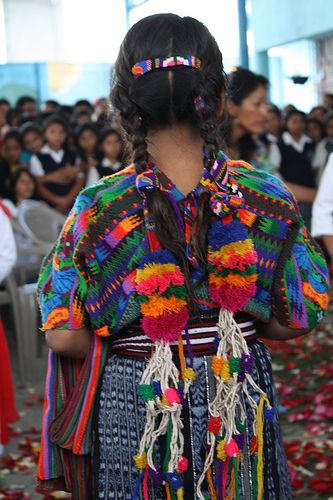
x: 8, y: 412
x: 247, y: 118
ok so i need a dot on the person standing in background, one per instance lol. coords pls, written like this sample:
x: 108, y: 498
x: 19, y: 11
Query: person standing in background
x: 59, y: 181
x: 292, y: 157
x: 8, y: 412
x: 247, y: 118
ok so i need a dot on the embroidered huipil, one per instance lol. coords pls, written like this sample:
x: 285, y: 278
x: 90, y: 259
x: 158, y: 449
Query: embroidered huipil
x: 88, y: 280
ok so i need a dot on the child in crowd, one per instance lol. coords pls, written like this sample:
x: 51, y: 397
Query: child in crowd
x: 22, y: 186
x: 12, y: 150
x: 111, y: 147
x: 58, y: 180
x: 32, y: 138
x: 8, y: 412
x: 316, y: 131
x: 86, y: 142
x: 292, y: 156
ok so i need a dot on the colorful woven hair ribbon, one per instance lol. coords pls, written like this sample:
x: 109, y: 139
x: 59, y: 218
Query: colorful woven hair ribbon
x: 140, y: 68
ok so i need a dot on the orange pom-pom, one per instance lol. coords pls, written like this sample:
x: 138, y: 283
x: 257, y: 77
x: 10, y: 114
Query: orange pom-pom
x: 217, y: 364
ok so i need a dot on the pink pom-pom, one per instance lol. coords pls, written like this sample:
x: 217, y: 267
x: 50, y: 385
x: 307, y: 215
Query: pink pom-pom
x: 231, y: 297
x: 182, y: 465
x: 231, y: 448
x: 166, y: 328
x: 172, y: 396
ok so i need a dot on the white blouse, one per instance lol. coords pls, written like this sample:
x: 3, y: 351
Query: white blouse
x: 322, y: 209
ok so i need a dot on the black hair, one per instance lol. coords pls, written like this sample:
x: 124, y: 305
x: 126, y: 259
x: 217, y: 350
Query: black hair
x: 273, y: 108
x: 108, y: 131
x: 315, y: 108
x: 21, y: 101
x: 242, y: 82
x: 28, y: 127
x: 54, y: 119
x: 294, y: 112
x: 13, y: 134
x: 4, y: 101
x: 15, y: 178
x: 166, y: 97
x: 83, y: 102
x: 53, y: 102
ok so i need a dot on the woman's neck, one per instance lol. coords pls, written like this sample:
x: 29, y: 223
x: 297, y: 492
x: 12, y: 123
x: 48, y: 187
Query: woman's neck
x: 178, y: 153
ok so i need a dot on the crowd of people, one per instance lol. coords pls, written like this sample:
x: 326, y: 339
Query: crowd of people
x: 50, y: 154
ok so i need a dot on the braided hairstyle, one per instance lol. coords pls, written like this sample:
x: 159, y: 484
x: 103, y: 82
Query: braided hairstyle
x: 166, y: 97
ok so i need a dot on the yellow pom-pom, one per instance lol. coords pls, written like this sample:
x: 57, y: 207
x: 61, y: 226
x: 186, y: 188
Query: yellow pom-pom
x: 217, y: 364
x: 140, y: 461
x: 189, y: 373
x: 180, y: 494
x: 225, y: 371
x: 164, y: 401
x: 221, y: 454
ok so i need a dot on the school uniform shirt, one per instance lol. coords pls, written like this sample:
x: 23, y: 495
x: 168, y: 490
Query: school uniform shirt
x: 106, y: 167
x: 293, y: 159
x: 47, y: 161
x: 322, y: 209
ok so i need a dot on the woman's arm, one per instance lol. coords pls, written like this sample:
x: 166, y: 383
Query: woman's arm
x: 71, y: 343
x: 274, y: 331
x: 302, y: 193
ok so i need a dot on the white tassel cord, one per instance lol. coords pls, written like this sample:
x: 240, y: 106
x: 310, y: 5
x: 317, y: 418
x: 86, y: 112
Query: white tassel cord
x: 162, y: 368
x: 228, y: 403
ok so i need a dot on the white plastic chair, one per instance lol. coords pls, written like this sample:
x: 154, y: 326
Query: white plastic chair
x: 40, y: 222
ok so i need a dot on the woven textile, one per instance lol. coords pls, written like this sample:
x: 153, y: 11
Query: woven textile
x: 120, y: 418
x: 88, y: 279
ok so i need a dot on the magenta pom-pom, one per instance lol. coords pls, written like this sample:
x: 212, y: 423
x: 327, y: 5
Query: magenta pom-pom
x: 231, y: 448
x: 172, y: 396
x: 166, y: 328
x: 231, y: 297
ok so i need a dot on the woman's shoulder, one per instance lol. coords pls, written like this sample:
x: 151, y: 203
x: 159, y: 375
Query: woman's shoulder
x: 116, y: 189
x: 260, y: 183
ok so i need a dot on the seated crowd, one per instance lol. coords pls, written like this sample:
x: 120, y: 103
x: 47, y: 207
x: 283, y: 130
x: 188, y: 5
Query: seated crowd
x: 52, y: 153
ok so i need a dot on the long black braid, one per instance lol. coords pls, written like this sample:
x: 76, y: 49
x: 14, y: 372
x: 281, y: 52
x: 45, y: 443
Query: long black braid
x: 166, y: 97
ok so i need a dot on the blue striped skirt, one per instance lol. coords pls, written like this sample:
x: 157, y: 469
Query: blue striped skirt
x: 120, y: 420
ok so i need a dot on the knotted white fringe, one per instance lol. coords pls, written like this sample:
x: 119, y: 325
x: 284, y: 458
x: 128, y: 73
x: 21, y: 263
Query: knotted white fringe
x: 162, y: 368
x: 228, y: 402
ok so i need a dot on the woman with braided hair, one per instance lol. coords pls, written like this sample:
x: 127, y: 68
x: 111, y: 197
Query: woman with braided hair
x: 155, y: 295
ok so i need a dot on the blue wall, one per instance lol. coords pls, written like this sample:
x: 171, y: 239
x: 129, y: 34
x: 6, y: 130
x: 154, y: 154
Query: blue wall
x: 276, y: 22
x: 23, y: 79
x: 92, y: 81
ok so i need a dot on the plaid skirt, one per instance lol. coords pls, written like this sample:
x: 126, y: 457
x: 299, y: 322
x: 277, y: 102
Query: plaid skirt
x: 120, y: 420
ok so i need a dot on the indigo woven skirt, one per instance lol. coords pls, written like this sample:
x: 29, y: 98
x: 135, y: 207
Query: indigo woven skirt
x: 120, y: 419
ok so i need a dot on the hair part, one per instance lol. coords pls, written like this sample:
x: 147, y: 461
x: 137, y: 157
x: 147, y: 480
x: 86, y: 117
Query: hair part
x: 164, y: 98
